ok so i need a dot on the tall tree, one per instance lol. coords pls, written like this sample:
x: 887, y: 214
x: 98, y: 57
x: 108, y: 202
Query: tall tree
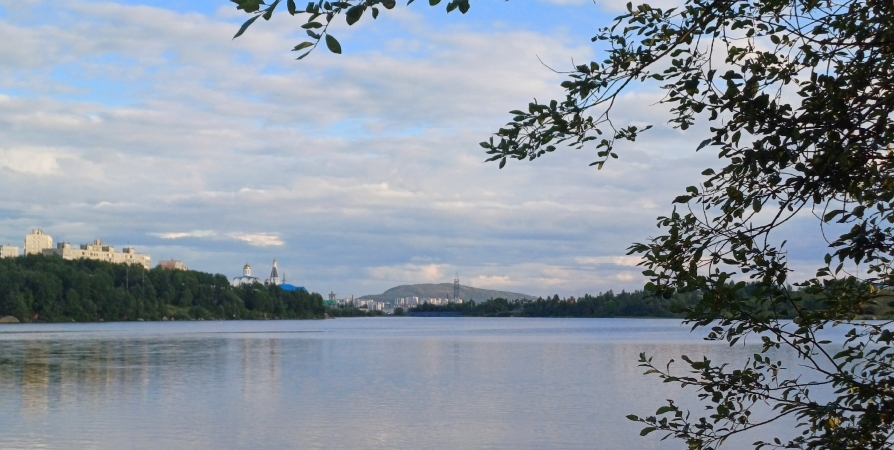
x: 799, y: 96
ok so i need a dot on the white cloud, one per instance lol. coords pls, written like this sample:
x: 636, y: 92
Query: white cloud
x: 627, y: 260
x: 186, y: 234
x: 408, y: 273
x: 30, y: 161
x: 258, y: 239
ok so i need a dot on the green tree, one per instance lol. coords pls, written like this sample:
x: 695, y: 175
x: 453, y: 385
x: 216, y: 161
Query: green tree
x: 13, y: 303
x: 799, y: 95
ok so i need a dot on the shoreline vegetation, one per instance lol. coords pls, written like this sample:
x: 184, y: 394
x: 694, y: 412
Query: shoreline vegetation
x: 38, y: 288
x: 605, y: 305
x: 638, y: 304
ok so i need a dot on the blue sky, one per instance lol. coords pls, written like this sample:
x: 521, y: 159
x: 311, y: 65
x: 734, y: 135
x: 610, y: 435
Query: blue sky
x: 145, y: 124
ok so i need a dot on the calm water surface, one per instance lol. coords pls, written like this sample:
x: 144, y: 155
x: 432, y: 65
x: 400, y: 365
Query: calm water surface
x: 366, y: 383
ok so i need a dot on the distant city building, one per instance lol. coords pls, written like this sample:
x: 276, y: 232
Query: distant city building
x: 8, y: 251
x: 98, y: 251
x: 246, y: 277
x: 172, y: 264
x: 37, y: 242
x: 407, y: 301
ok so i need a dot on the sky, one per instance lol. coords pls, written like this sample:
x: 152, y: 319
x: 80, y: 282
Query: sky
x: 145, y: 124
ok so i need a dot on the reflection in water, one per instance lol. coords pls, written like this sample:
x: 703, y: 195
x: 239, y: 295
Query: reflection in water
x: 365, y: 383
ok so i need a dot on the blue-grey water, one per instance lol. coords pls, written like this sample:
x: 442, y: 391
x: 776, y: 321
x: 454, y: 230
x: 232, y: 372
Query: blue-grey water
x: 365, y: 383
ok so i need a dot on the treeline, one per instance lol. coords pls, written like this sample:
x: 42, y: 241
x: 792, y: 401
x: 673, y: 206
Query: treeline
x: 350, y: 311
x: 495, y: 307
x: 642, y: 304
x: 608, y: 304
x: 37, y: 288
x: 625, y: 304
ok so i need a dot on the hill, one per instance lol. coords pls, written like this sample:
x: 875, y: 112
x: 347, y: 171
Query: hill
x: 444, y: 290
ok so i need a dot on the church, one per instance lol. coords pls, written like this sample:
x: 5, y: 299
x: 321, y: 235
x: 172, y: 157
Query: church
x: 246, y: 277
x: 274, y: 279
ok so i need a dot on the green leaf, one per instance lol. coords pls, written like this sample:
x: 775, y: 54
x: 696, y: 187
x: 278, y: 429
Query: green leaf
x: 433, y: 2
x: 269, y: 13
x: 333, y: 44
x: 245, y: 26
x: 647, y: 430
x: 248, y: 6
x: 831, y: 214
x: 302, y: 45
x: 290, y: 4
x: 353, y: 14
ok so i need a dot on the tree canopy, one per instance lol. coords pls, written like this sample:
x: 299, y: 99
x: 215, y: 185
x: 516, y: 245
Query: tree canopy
x: 50, y: 289
x: 798, y: 96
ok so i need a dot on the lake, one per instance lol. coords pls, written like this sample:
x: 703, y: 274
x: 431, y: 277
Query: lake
x: 362, y: 383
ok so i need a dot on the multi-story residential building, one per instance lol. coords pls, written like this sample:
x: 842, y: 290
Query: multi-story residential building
x: 172, y: 264
x: 8, y: 251
x: 37, y: 242
x: 101, y: 252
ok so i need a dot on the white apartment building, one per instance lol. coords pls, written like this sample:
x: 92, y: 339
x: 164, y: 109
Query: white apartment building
x: 8, y: 251
x: 37, y: 242
x: 407, y: 301
x: 101, y: 252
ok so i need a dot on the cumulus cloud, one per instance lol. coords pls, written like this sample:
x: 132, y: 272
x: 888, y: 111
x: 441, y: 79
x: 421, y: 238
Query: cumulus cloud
x: 33, y: 161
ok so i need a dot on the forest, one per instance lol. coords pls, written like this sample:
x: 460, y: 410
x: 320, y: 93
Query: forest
x: 640, y: 303
x: 608, y: 304
x: 38, y: 288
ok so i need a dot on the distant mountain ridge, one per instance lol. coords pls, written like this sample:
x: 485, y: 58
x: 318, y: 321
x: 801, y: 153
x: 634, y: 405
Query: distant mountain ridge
x: 445, y: 290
